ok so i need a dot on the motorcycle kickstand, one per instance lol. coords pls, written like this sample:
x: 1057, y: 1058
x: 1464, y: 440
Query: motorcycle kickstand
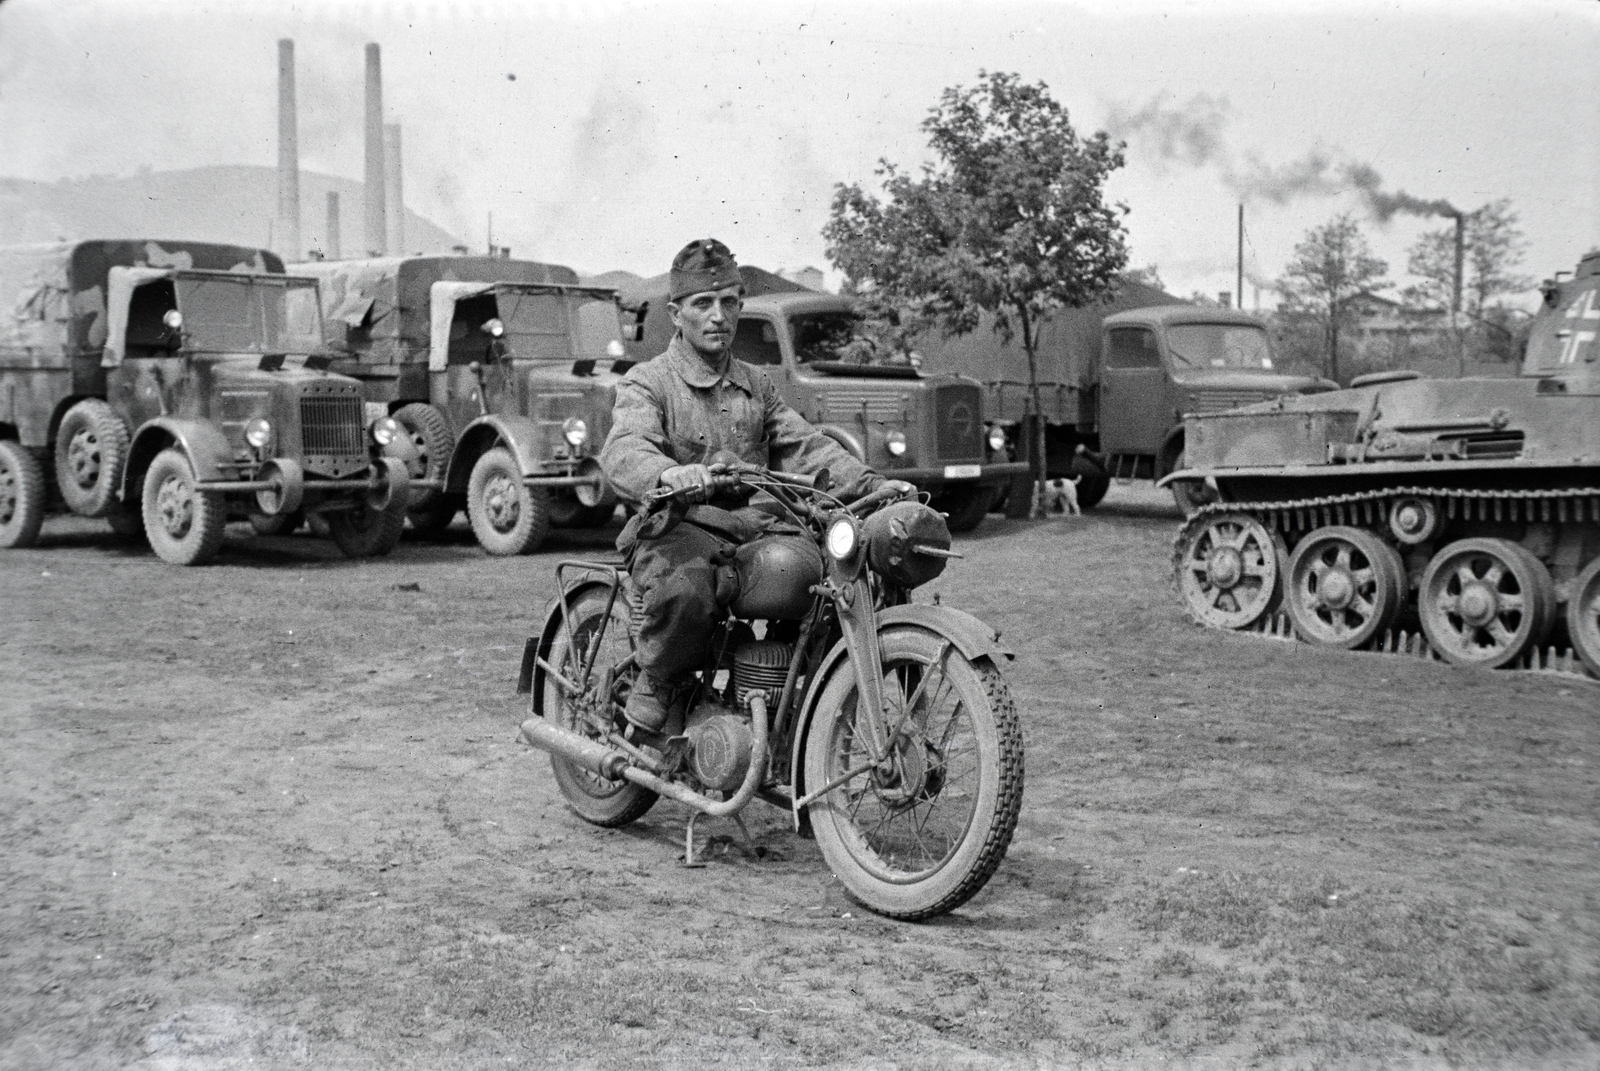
x: 748, y: 847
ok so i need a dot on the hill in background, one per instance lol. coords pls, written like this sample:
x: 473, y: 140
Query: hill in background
x: 235, y: 203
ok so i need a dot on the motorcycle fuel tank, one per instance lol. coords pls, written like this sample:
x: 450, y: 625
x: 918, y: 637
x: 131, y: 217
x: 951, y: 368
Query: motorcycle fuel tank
x: 775, y: 577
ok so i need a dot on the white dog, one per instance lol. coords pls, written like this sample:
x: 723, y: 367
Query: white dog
x: 1061, y: 496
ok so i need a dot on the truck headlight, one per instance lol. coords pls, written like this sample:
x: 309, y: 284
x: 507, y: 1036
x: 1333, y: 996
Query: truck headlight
x: 385, y: 430
x: 575, y: 431
x: 258, y: 433
x: 842, y: 538
x: 997, y: 438
x: 896, y: 441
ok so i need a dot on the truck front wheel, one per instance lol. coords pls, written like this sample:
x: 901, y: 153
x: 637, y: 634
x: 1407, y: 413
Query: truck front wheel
x: 21, y: 495
x: 430, y: 434
x: 507, y: 515
x: 184, y: 525
x: 91, y: 448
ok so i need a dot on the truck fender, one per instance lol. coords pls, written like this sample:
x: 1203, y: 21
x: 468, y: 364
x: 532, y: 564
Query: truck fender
x: 845, y: 438
x: 967, y: 634
x: 519, y: 434
x: 205, y: 447
x: 531, y: 677
x: 1172, y: 446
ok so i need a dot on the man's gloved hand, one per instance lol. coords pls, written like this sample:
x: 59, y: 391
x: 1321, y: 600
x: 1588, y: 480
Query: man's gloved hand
x: 899, y: 487
x: 696, y: 480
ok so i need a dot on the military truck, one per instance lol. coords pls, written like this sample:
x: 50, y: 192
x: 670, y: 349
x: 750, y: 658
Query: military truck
x: 928, y: 429
x: 1470, y: 506
x: 1115, y: 386
x: 171, y: 386
x: 502, y: 373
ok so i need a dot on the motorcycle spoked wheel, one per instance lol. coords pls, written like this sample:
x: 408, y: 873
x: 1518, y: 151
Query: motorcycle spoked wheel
x: 594, y: 798
x: 921, y: 838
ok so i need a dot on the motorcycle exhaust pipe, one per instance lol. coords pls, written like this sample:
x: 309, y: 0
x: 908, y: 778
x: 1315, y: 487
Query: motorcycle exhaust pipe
x: 590, y: 754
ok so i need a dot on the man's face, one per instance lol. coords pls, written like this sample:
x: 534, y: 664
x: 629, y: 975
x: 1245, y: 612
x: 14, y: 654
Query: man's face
x: 708, y: 320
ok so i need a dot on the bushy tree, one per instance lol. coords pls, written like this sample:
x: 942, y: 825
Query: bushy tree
x: 1010, y: 219
x: 1331, y: 265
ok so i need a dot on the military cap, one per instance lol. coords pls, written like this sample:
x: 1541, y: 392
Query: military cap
x: 704, y: 264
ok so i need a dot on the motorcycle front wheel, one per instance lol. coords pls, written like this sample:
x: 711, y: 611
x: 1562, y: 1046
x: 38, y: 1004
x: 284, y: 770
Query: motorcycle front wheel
x: 594, y: 798
x: 919, y: 833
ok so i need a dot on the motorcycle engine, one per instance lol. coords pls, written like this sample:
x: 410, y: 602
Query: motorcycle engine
x: 719, y: 754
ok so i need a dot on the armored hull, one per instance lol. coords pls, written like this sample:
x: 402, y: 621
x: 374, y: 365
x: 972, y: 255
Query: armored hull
x: 1467, y: 509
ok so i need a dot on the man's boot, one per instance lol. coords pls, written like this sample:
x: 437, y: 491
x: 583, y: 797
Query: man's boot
x: 651, y: 701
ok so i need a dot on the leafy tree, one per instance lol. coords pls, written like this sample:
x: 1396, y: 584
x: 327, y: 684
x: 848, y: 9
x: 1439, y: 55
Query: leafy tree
x: 1009, y: 219
x: 1493, y: 247
x: 1332, y: 265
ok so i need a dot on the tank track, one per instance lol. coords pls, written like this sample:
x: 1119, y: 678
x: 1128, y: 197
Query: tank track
x: 1371, y: 509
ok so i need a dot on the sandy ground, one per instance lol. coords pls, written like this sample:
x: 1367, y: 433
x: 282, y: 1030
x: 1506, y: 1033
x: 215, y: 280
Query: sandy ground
x: 274, y: 813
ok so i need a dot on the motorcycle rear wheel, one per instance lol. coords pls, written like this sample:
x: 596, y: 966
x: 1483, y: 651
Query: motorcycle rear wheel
x: 919, y: 836
x: 594, y: 798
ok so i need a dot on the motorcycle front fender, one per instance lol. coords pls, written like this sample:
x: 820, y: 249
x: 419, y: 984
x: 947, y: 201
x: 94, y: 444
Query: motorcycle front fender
x: 969, y: 635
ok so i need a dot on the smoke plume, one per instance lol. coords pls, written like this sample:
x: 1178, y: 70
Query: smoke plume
x: 1194, y: 134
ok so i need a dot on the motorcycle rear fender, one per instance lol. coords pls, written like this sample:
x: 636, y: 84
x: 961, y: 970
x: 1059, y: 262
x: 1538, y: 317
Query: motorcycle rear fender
x: 967, y: 634
x: 519, y: 434
x: 530, y: 678
x: 205, y: 447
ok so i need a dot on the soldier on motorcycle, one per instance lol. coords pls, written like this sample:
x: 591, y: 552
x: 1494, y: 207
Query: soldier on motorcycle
x: 678, y: 419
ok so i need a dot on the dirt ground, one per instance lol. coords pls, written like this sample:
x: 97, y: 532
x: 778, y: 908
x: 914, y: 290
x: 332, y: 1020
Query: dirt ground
x: 273, y: 813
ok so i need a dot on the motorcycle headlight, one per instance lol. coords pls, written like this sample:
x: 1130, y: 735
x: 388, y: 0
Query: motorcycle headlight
x: 575, y: 431
x: 997, y: 438
x: 896, y: 441
x: 258, y: 433
x: 385, y: 430
x: 842, y: 538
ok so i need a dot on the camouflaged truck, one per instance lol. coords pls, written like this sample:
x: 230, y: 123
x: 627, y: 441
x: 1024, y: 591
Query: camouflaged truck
x: 502, y: 373
x: 1470, y: 507
x: 928, y: 429
x: 172, y: 386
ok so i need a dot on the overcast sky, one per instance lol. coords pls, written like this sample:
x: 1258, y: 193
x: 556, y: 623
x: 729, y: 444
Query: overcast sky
x: 605, y: 135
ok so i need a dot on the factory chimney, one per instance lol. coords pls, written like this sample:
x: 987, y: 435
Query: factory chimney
x: 377, y: 226
x: 394, y: 194
x: 288, y: 156
x: 335, y: 248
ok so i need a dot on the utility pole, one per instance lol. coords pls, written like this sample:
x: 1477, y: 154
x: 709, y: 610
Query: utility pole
x: 1456, y: 328
x: 1239, y: 276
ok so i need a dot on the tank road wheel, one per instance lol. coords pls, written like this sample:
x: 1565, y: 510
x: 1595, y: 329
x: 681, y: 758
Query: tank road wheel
x: 91, y: 448
x: 921, y: 832
x: 966, y: 506
x: 594, y: 798
x: 184, y: 525
x: 21, y: 495
x: 430, y: 434
x: 508, y: 517
x: 1228, y: 569
x: 1485, y: 602
x: 1583, y: 616
x: 1343, y: 588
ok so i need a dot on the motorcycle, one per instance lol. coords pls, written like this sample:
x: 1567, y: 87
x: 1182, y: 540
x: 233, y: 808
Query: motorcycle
x: 883, y: 726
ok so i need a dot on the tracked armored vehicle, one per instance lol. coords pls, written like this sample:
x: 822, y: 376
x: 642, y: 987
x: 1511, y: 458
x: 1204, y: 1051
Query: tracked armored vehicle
x: 1467, y: 507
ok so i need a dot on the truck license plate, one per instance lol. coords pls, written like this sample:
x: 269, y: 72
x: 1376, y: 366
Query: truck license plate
x: 962, y: 472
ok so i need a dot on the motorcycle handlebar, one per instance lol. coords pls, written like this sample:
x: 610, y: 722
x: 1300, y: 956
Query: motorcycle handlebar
x: 873, y: 499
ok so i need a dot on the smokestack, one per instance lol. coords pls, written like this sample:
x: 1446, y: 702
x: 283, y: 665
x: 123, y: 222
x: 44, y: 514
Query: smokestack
x: 288, y: 156
x: 394, y: 194
x: 1461, y: 256
x: 335, y: 249
x: 377, y: 227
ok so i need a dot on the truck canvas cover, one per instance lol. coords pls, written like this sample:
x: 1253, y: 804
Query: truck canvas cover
x: 53, y: 300
x: 385, y: 302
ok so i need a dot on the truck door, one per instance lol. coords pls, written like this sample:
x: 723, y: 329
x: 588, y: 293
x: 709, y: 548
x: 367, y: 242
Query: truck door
x: 1134, y: 411
x: 148, y: 381
x: 469, y: 345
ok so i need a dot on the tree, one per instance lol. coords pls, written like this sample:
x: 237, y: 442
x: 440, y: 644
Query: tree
x: 1009, y: 219
x: 1493, y: 246
x: 1332, y: 264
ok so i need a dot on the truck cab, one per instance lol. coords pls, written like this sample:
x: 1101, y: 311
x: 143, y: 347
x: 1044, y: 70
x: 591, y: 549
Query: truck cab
x: 502, y: 374
x: 209, y: 400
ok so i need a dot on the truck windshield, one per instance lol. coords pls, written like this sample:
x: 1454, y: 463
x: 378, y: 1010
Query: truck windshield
x: 249, y: 314
x: 832, y: 336
x: 559, y: 326
x: 1195, y: 346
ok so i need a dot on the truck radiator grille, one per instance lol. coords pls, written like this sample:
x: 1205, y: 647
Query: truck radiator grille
x: 331, y: 424
x: 842, y: 406
x: 1220, y: 401
x: 959, y: 423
